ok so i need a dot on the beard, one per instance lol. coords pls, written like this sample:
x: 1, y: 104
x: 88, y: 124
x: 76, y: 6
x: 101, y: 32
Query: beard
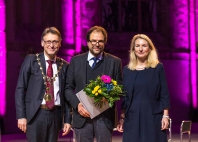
x: 96, y: 50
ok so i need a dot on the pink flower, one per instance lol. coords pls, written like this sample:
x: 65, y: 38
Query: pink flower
x: 106, y: 79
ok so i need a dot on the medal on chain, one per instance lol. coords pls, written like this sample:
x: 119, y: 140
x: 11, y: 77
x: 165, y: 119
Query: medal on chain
x: 48, y: 80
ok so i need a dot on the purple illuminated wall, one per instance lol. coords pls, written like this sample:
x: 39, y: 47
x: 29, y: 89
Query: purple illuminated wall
x: 90, y: 10
x: 180, y: 22
x: 78, y: 26
x: 78, y: 17
x: 184, y: 37
x: 67, y: 10
x: 192, y: 44
x: 68, y: 28
x: 2, y: 58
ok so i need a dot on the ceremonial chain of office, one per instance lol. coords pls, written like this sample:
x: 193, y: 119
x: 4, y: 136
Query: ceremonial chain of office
x: 47, y: 78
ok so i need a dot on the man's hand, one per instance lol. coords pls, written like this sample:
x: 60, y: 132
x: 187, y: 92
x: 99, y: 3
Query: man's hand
x: 83, y: 111
x: 120, y: 125
x: 66, y: 129
x: 22, y: 124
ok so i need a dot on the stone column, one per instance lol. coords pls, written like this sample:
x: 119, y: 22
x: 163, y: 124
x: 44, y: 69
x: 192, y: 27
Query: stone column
x: 196, y: 20
x: 192, y: 44
x: 139, y: 17
x: 67, y: 50
x: 91, y: 15
x: 11, y: 21
x: 77, y: 26
x: 25, y: 11
x: 183, y: 32
x: 179, y: 23
x: 36, y: 12
x: 2, y: 58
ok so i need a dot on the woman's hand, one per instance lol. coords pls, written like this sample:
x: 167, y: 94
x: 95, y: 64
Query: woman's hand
x: 165, y: 119
x: 165, y: 123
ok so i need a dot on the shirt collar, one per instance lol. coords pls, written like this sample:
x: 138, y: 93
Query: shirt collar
x: 46, y: 58
x: 90, y: 56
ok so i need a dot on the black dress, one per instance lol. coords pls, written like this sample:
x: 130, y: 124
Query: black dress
x: 141, y: 125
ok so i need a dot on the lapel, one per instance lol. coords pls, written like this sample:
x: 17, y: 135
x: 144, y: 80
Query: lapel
x: 107, y: 63
x: 42, y: 60
x: 132, y: 79
x: 43, y: 65
x: 129, y: 84
x: 58, y: 63
x: 83, y: 67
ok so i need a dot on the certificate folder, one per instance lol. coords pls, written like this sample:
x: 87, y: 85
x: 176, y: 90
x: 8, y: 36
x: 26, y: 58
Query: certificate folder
x: 89, y: 105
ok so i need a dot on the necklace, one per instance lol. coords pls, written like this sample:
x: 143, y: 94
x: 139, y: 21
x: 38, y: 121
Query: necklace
x: 48, y: 79
x: 140, y: 68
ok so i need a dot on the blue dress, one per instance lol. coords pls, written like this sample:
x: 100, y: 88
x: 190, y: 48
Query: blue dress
x: 141, y: 125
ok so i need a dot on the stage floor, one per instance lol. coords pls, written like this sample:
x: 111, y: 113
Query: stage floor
x: 117, y: 137
x: 21, y: 138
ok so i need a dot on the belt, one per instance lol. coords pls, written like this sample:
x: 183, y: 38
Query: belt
x: 46, y: 108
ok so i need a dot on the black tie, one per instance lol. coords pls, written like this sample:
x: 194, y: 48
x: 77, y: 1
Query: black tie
x: 95, y: 61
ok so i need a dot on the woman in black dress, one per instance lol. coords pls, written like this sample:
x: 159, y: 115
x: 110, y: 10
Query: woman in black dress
x: 144, y: 115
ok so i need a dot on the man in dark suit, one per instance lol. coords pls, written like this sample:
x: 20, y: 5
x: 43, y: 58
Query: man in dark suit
x: 40, y: 104
x: 82, y: 69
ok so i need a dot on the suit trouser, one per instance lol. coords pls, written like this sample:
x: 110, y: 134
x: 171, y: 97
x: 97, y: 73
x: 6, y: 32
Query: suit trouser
x: 45, y: 126
x: 93, y: 128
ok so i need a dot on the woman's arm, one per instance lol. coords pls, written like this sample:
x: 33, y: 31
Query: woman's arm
x: 165, y: 119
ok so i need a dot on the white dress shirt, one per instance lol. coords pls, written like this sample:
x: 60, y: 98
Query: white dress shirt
x: 90, y: 58
x: 56, y: 82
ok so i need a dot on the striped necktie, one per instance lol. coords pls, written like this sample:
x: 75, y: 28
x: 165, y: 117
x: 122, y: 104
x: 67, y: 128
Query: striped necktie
x: 95, y: 61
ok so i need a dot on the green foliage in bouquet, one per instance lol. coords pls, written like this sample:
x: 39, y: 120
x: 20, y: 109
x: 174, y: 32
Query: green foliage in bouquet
x: 104, y: 90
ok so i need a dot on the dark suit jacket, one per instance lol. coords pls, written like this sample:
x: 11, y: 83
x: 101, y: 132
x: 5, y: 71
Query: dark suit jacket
x: 30, y: 88
x: 76, y: 81
x: 156, y: 86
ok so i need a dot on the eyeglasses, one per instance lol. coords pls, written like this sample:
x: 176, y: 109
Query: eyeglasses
x: 94, y: 42
x: 49, y: 42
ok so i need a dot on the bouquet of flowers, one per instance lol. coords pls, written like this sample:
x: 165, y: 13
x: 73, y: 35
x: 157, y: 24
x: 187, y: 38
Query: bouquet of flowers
x: 104, y: 90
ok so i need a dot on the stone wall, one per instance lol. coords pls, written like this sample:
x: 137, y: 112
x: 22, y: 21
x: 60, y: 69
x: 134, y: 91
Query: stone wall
x: 26, y: 20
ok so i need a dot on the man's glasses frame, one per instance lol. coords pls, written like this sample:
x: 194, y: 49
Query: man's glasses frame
x: 94, y: 42
x: 49, y: 42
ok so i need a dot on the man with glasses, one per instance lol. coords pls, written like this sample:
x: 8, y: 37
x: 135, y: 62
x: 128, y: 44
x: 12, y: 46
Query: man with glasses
x: 85, y: 67
x: 40, y: 104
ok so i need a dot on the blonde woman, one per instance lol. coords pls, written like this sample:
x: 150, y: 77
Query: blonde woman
x: 145, y: 115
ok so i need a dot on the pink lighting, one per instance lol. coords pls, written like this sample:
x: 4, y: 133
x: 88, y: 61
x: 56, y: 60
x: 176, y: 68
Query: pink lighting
x: 180, y: 24
x: 184, y: 34
x: 78, y: 17
x: 67, y: 11
x: 2, y: 59
x: 193, y: 52
x: 77, y: 26
x: 89, y: 16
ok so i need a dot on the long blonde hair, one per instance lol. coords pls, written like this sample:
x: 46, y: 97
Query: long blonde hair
x: 152, y: 59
